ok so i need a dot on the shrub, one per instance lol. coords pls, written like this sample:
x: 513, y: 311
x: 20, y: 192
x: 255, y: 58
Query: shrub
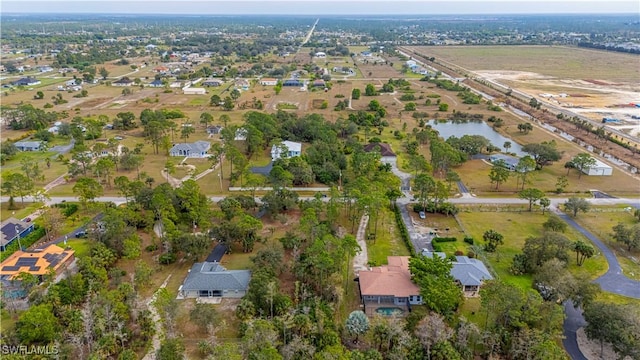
x: 468, y: 239
x: 459, y: 253
x: 403, y: 231
x: 471, y: 254
x: 444, y: 239
x: 151, y: 248
x: 168, y: 258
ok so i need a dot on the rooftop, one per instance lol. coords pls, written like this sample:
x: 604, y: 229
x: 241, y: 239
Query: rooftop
x: 393, y: 279
x: 35, y: 262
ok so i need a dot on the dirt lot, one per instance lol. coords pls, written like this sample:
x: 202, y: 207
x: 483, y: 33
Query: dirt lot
x: 598, y: 83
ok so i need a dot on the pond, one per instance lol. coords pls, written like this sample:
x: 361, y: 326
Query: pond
x: 448, y: 129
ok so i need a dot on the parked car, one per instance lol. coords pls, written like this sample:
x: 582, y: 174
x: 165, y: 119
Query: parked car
x: 81, y: 234
x: 27, y: 219
x: 423, y: 215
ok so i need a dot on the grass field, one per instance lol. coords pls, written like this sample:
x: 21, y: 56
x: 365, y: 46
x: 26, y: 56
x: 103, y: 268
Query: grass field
x: 388, y: 241
x: 516, y: 227
x: 559, y: 61
x: 21, y: 211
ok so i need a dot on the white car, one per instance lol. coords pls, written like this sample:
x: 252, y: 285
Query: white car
x: 423, y: 215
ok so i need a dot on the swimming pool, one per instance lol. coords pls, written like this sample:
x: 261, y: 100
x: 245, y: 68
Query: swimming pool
x: 389, y: 311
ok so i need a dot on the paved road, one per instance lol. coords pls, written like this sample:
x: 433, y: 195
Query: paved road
x: 572, y: 323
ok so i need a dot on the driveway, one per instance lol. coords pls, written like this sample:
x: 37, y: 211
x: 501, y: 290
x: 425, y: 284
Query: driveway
x: 572, y: 323
x: 63, y: 149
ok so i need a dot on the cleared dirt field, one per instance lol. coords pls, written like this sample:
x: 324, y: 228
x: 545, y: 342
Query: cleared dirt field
x: 590, y: 82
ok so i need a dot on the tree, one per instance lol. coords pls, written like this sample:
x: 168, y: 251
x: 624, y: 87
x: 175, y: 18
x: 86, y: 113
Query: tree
x: 125, y: 121
x: 205, y: 316
x: 576, y: 204
x: 206, y: 119
x: 215, y: 100
x: 630, y: 236
x: 544, y: 204
x: 37, y: 325
x: 443, y: 107
x: 583, y: 162
x: 104, y: 73
x: 543, y: 153
x: 357, y: 324
x: 52, y: 221
x: 583, y: 251
x: 499, y: 172
x: 437, y: 287
x: 170, y: 349
x: 561, y: 183
x: 525, y: 165
x: 537, y: 250
x: 507, y: 146
x: 16, y: 184
x: 431, y: 330
x: 355, y: 94
x: 228, y: 104
x: 532, y: 195
x: 410, y: 106
x: 492, y: 239
x: 104, y: 168
x: 186, y: 131
x: 235, y: 94
x: 616, y: 324
x: 87, y: 189
x: 370, y: 90
x: 555, y: 223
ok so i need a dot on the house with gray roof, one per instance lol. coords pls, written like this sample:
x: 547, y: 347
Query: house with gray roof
x: 198, y: 149
x: 29, y: 145
x: 11, y: 229
x: 210, y: 279
x: 468, y: 273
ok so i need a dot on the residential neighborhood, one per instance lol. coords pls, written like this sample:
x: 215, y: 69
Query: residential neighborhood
x: 359, y: 185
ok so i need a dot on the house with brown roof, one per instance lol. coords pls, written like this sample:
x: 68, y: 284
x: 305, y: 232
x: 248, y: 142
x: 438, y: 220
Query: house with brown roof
x: 37, y: 262
x: 388, y: 289
x: 383, y: 148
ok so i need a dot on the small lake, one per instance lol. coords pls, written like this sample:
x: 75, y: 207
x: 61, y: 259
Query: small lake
x: 448, y: 129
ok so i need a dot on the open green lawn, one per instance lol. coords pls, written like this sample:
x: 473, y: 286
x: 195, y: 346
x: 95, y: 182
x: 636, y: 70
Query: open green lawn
x: 388, y: 241
x: 21, y: 212
x: 82, y: 247
x: 600, y: 221
x: 516, y: 227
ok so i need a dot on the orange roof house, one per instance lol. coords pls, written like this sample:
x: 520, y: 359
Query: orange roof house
x: 36, y: 262
x: 389, y: 285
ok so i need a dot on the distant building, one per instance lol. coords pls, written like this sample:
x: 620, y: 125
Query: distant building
x: 599, y: 169
x: 241, y: 134
x: 510, y: 161
x: 319, y: 83
x: 320, y: 55
x: 156, y: 84
x: 197, y: 149
x: 286, y: 149
x: 11, y: 229
x: 194, y: 91
x: 213, y: 82
x: 268, y: 81
x: 214, y: 130
x: 383, y: 148
x: 36, y: 262
x: 242, y: 84
x: 27, y: 81
x: 29, y: 145
x: 210, y: 279
x: 293, y: 82
x: 125, y: 81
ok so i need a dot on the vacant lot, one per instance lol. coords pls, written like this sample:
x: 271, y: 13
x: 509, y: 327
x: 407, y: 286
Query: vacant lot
x: 557, y: 61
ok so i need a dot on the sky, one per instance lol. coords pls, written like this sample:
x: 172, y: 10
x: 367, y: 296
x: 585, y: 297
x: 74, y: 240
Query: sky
x: 325, y: 7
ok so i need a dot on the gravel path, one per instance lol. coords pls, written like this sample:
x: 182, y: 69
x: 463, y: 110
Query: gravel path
x: 361, y: 259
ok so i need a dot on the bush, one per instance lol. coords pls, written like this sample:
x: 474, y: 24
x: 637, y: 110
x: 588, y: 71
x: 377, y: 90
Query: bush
x: 459, y: 253
x: 444, y: 239
x: 68, y: 209
x: 403, y: 231
x: 168, y: 258
x: 471, y: 254
x: 468, y: 239
x: 151, y: 248
x: 437, y: 248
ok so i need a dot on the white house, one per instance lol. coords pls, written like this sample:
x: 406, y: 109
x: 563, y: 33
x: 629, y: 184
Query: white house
x: 268, y: 81
x: 599, y: 169
x: 288, y: 148
x: 194, y: 91
x: 197, y: 149
x: 320, y: 55
x: 29, y: 145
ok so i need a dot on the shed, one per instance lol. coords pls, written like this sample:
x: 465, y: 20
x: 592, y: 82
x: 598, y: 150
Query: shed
x: 599, y: 169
